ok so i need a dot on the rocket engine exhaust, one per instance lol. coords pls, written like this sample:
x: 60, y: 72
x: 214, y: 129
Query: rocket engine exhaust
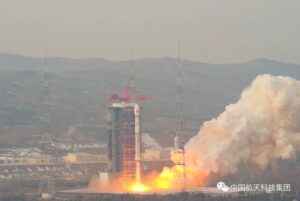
x: 260, y: 128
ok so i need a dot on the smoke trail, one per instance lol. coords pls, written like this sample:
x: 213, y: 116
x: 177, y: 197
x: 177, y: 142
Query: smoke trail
x: 264, y: 125
x: 150, y: 142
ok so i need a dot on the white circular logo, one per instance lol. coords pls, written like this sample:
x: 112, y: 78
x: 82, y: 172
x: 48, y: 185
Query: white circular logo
x: 222, y: 186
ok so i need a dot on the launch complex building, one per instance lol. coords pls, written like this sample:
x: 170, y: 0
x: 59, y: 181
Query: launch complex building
x: 124, y: 140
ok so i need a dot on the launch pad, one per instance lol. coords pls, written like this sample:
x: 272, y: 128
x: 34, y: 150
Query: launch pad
x: 90, y: 191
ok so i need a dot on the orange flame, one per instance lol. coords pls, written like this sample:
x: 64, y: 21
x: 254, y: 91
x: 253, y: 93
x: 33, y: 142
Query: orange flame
x: 177, y: 177
x: 139, y: 188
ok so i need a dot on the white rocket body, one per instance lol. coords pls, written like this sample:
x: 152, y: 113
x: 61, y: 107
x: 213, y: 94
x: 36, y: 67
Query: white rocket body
x: 137, y: 130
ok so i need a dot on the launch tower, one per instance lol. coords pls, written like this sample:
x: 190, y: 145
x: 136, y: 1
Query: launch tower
x: 124, y: 137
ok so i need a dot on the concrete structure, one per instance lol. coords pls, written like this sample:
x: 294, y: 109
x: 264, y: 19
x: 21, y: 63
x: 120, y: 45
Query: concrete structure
x: 163, y: 154
x: 104, y: 178
x: 151, y: 154
x: 81, y: 157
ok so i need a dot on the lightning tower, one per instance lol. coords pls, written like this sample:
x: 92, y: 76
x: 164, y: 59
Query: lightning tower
x: 132, y: 76
x: 46, y: 102
x: 178, y: 140
x: 179, y: 137
x: 46, y: 182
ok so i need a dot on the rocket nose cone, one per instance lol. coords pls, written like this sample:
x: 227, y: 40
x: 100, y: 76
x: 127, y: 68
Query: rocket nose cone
x: 136, y: 109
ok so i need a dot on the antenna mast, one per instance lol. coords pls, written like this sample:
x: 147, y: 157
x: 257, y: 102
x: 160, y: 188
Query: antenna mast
x: 179, y: 102
x: 179, y: 139
x: 46, y: 102
x: 132, y: 76
x: 46, y: 182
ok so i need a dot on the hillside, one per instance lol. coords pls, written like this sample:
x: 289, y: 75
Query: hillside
x: 79, y: 87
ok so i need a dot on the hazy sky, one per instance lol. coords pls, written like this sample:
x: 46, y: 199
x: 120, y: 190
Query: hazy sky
x: 217, y: 31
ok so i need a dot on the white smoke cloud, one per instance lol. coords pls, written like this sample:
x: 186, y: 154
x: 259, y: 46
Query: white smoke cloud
x: 264, y: 125
x: 149, y: 142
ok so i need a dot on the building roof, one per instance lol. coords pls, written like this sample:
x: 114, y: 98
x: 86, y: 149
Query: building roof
x: 123, y: 104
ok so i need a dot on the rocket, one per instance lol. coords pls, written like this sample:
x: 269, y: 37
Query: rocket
x: 137, y: 130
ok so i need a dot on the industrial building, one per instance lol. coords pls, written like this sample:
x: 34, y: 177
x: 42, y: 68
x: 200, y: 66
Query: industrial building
x: 162, y: 154
x: 81, y: 157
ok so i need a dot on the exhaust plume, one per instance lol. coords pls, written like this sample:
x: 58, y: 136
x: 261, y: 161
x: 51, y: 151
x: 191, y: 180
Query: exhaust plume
x: 261, y: 127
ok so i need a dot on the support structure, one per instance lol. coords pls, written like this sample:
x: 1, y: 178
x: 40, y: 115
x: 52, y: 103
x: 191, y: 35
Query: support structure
x: 132, y: 75
x: 122, y: 140
x: 46, y: 182
x: 179, y: 137
x: 124, y: 132
x: 46, y: 186
x: 178, y: 140
x: 128, y: 144
x: 46, y: 102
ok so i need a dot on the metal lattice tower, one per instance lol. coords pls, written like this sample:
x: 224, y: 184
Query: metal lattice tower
x: 179, y: 137
x: 46, y: 182
x: 179, y: 103
x: 132, y: 76
x: 46, y: 185
x: 46, y: 101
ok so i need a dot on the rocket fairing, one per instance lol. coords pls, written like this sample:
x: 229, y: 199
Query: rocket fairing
x: 137, y: 130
